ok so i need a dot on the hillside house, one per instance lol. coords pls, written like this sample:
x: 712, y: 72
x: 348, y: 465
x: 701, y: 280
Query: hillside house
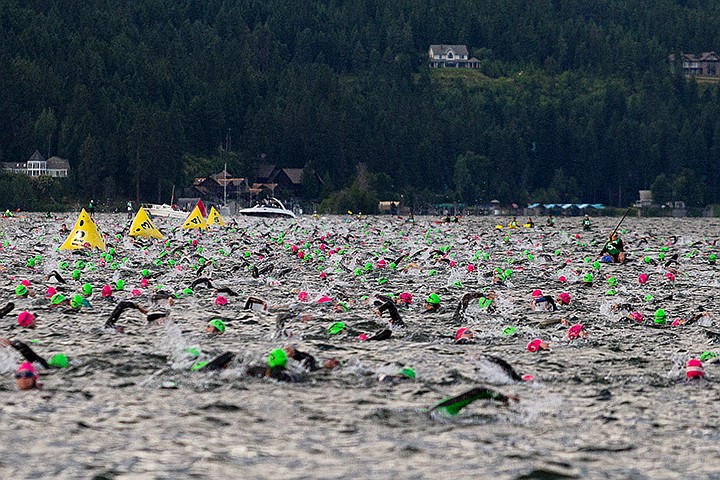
x: 37, y: 166
x: 451, y: 56
x: 707, y: 64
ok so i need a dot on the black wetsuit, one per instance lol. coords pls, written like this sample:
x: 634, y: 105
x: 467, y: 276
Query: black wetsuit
x: 391, y: 308
x: 281, y: 374
x: 28, y: 353
x: 119, y: 309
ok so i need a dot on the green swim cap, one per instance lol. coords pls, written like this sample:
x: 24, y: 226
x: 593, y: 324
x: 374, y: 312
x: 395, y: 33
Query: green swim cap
x: 661, y: 256
x: 508, y: 273
x: 433, y: 299
x: 198, y: 365
x: 705, y: 356
x: 31, y: 262
x: 588, y: 278
x: 218, y: 324
x: 21, y: 290
x: 508, y: 331
x: 120, y: 284
x: 382, y: 280
x: 646, y: 259
x: 63, y: 265
x: 596, y: 265
x: 193, y: 352
x: 659, y: 316
x: 335, y: 328
x: 358, y: 271
x: 612, y: 291
x: 648, y: 298
x: 712, y: 258
x: 76, y: 301
x: 432, y: 273
x: 59, y: 360
x: 277, y: 358
x: 612, y: 281
x: 57, y: 298
x: 188, y: 291
x: 407, y: 372
x: 87, y: 289
x: 145, y: 272
x: 75, y: 274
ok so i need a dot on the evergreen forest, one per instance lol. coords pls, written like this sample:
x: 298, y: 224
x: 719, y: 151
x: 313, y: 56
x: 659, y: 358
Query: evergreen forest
x: 575, y: 100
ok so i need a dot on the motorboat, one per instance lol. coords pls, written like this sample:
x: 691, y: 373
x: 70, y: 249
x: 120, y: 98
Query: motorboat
x: 268, y: 208
x: 164, y: 211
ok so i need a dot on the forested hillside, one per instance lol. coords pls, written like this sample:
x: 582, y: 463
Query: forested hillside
x: 575, y: 100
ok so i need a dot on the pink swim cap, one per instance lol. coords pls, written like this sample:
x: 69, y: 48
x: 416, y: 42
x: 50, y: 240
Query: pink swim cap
x: 461, y: 332
x: 144, y: 282
x: 324, y: 299
x: 380, y: 263
x: 135, y: 292
x: 25, y: 282
x: 694, y: 369
x: 25, y: 319
x: 670, y: 276
x: 642, y: 278
x: 564, y: 298
x: 220, y: 300
x: 528, y: 378
x: 562, y: 279
x: 406, y: 297
x: 470, y: 267
x: 303, y: 296
x: 637, y: 316
x: 323, y: 275
x: 536, y: 293
x: 50, y: 292
x: 534, y: 345
x: 27, y: 367
x: 574, y: 331
x: 106, y: 291
x: 362, y: 337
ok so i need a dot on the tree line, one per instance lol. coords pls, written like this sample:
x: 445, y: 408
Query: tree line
x: 575, y: 101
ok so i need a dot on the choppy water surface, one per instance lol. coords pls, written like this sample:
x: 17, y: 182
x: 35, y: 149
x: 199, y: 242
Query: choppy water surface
x: 615, y: 405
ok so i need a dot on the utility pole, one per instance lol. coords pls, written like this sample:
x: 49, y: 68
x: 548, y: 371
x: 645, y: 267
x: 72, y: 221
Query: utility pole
x: 225, y: 185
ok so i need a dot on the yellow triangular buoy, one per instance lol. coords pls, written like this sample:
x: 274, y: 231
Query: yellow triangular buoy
x: 142, y: 226
x: 84, y: 232
x: 195, y: 220
x: 214, y: 218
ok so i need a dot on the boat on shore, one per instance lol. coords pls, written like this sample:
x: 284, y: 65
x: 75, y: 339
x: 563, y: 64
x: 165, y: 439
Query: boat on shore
x: 269, y: 208
x: 163, y: 211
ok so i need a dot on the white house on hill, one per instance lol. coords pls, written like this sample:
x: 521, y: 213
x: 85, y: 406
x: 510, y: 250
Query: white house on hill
x: 451, y: 56
x: 37, y: 166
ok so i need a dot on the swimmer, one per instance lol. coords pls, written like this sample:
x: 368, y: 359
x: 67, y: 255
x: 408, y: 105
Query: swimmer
x: 530, y: 223
x: 538, y: 298
x: 464, y: 336
x: 550, y: 222
x: 513, y: 223
x: 452, y: 406
x: 64, y: 229
x: 406, y: 373
x: 275, y: 368
x: 119, y: 309
x: 26, y: 377
x: 215, y: 327
x: 432, y: 303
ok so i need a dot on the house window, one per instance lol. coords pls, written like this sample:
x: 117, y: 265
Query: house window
x: 712, y: 69
x: 450, y: 55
